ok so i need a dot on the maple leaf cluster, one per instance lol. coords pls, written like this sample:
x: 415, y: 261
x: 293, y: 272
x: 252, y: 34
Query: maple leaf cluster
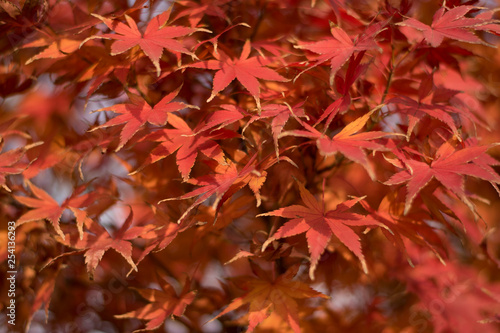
x: 258, y: 165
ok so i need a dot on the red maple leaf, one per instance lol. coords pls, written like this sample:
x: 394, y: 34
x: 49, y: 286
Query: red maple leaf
x: 348, y: 142
x: 44, y: 293
x: 196, y: 11
x: 415, y: 110
x: 246, y: 70
x: 339, y: 48
x: 451, y: 24
x: 320, y: 225
x: 98, y: 240
x: 267, y: 295
x: 45, y: 207
x: 227, y: 180
x: 449, y: 166
x: 58, y: 47
x: 45, y: 156
x: 457, y: 298
x: 104, y: 68
x: 389, y: 213
x: 10, y: 162
x: 162, y: 304
x: 187, y: 143
x: 221, y: 118
x: 434, y: 101
x: 156, y: 37
x: 219, y: 183
x: 136, y: 114
x: 280, y: 115
x: 341, y: 105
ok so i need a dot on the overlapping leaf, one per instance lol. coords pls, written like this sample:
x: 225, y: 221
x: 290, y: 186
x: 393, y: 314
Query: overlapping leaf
x: 278, y: 295
x: 280, y: 115
x: 340, y: 47
x: 228, y: 179
x: 57, y: 48
x: 348, y: 142
x: 155, y: 38
x: 196, y: 11
x: 466, y: 301
x: 245, y: 69
x: 45, y: 207
x: 162, y: 304
x: 183, y: 140
x: 341, y: 105
x: 449, y: 166
x: 452, y: 24
x: 136, y: 114
x: 227, y: 115
x: 226, y: 146
x: 319, y: 225
x: 10, y: 162
x: 96, y: 242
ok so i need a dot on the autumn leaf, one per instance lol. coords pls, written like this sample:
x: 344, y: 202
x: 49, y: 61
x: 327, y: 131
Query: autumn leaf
x: 415, y: 110
x: 157, y: 37
x: 186, y: 143
x: 44, y: 293
x: 450, y: 23
x: 136, y: 114
x: 340, y: 47
x: 343, y: 85
x: 320, y: 225
x: 211, y: 188
x: 449, y: 166
x: 105, y: 68
x: 196, y: 11
x: 436, y: 102
x: 57, y: 48
x: 227, y: 115
x: 164, y: 234
x: 246, y: 70
x: 491, y: 25
x: 348, y: 141
x: 389, y: 213
x: 45, y: 156
x: 280, y: 115
x: 469, y: 300
x: 162, y: 304
x: 228, y: 179
x: 45, y: 207
x: 231, y: 211
x: 225, y: 176
x: 96, y: 242
x: 267, y: 295
x: 10, y: 162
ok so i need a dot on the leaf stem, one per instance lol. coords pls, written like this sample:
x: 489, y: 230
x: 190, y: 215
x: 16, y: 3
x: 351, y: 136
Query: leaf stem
x: 395, y: 65
x: 389, y: 78
x: 258, y: 22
